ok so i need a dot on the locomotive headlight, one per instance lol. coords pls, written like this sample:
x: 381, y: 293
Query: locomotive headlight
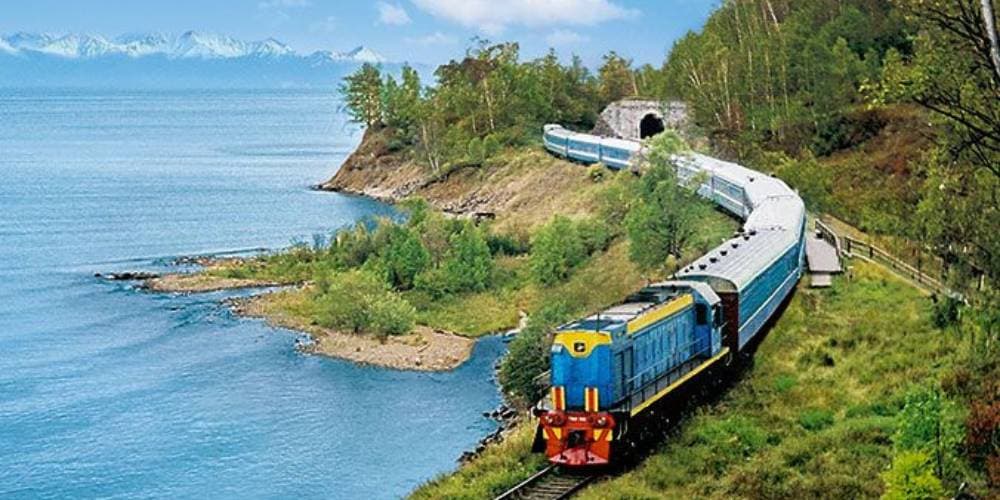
x: 554, y: 419
x: 602, y: 421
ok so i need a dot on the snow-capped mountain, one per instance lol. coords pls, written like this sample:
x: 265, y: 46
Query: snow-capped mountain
x: 189, y: 60
x: 189, y: 45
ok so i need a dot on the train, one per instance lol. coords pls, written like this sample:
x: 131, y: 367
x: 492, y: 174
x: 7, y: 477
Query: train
x: 610, y: 369
x: 585, y: 148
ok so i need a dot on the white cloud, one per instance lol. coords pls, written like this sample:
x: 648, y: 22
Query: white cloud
x: 394, y: 15
x: 492, y: 16
x: 328, y: 25
x: 561, y: 38
x: 436, y: 38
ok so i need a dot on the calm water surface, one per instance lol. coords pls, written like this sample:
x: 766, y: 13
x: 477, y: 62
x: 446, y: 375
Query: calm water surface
x: 110, y: 392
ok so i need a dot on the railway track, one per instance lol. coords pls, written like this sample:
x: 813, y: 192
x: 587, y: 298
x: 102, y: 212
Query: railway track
x: 549, y: 483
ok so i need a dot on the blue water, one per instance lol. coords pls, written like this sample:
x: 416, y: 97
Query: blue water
x: 106, y: 391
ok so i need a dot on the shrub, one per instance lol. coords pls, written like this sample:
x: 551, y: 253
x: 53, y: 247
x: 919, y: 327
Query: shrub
x: 946, y: 312
x: 352, y: 247
x: 930, y: 423
x: 358, y: 301
x: 467, y: 266
x: 597, y: 172
x: 508, y: 244
x: 911, y: 477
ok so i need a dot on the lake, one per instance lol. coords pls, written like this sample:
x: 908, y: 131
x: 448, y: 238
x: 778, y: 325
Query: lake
x: 107, y: 391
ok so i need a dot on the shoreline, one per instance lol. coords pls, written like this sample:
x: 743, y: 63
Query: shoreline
x: 424, y: 349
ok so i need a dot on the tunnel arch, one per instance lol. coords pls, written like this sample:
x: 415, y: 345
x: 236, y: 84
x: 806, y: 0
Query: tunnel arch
x: 650, y: 125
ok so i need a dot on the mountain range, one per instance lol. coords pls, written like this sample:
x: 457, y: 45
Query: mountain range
x: 192, y: 59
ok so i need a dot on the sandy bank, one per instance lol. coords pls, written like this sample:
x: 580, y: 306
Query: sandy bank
x: 425, y: 349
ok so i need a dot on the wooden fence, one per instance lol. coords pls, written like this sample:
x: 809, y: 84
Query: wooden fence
x: 849, y: 246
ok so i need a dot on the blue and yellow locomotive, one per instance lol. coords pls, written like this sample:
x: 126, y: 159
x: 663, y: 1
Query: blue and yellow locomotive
x: 610, y: 368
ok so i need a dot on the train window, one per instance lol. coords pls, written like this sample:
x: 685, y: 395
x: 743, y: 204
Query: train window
x: 701, y: 314
x: 717, y: 312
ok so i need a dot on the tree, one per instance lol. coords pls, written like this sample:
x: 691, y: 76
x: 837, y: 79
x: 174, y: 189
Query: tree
x: 528, y: 356
x: 403, y: 103
x: 363, y: 95
x: 469, y: 265
x: 557, y: 249
x: 616, y: 79
x: 953, y: 74
x: 404, y: 257
x: 662, y: 219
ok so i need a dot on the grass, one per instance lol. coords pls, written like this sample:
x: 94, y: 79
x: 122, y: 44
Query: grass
x: 604, y: 279
x: 499, y: 468
x: 814, y: 415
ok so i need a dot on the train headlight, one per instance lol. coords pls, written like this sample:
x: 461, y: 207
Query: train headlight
x: 601, y: 421
x: 554, y: 419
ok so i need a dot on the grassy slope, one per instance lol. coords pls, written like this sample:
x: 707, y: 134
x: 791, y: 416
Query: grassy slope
x: 812, y: 418
x: 814, y: 415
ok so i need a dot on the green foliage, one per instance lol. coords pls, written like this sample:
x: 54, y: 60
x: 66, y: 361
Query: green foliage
x: 528, y: 355
x: 403, y: 257
x: 930, y: 423
x: 662, y: 219
x: 946, y: 310
x: 730, y: 439
x: 556, y: 249
x: 597, y: 173
x: 617, y: 79
x: 508, y: 244
x: 815, y: 419
x: 363, y: 95
x: 360, y: 302
x: 469, y: 264
x: 911, y: 477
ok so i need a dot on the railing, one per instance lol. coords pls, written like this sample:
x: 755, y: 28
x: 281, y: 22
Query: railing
x: 849, y: 246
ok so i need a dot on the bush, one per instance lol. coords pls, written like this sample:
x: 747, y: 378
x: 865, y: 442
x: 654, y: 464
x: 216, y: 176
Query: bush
x: 946, y: 312
x: 508, y: 244
x: 358, y: 301
x: 469, y: 265
x: 930, y: 423
x: 911, y: 477
x: 352, y: 247
x: 597, y: 173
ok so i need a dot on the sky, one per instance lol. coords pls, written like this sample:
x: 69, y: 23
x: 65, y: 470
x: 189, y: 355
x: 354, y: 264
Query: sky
x: 419, y: 31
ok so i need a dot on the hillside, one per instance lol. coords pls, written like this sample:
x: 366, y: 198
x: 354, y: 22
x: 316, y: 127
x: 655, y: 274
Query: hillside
x: 521, y: 187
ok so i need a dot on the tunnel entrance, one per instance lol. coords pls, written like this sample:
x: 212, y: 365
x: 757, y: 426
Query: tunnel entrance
x: 650, y: 126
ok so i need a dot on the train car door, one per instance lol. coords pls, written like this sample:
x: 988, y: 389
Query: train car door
x: 625, y: 362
